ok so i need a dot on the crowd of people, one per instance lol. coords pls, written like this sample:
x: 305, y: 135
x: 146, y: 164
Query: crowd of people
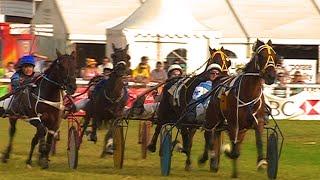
x: 143, y: 73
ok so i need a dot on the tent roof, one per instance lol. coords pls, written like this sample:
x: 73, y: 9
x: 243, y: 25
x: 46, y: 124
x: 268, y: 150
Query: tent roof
x: 285, y: 19
x: 163, y: 16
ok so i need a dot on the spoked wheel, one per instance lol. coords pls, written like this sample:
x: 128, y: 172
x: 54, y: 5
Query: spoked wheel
x: 145, y: 130
x: 272, y: 156
x: 165, y: 151
x: 118, y: 142
x: 73, y: 147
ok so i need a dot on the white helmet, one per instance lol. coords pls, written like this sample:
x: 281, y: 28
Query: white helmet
x: 109, y: 66
x: 173, y: 67
x: 214, y: 66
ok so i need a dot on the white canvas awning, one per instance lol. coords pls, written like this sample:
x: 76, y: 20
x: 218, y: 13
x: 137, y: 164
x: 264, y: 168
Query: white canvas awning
x: 295, y: 21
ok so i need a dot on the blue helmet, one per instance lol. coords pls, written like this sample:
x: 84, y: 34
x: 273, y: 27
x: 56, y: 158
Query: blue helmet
x: 27, y: 60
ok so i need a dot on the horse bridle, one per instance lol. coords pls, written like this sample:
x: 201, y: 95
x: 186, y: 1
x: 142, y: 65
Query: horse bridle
x: 270, y: 61
x: 224, y: 58
x: 64, y: 80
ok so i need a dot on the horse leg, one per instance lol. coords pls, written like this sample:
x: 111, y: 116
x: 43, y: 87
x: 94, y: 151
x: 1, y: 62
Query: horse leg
x: 139, y: 132
x: 93, y: 135
x: 34, y: 142
x: 49, y: 141
x: 41, y: 133
x: 207, y: 136
x: 234, y: 153
x: 85, y: 126
x: 187, y: 134
x: 107, y: 147
x: 261, y: 162
x: 12, y: 130
x: 215, y: 151
x: 153, y: 143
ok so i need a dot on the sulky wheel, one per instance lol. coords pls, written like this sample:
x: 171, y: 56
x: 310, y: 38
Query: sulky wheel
x: 165, y: 151
x: 118, y: 143
x: 272, y: 156
x: 73, y: 147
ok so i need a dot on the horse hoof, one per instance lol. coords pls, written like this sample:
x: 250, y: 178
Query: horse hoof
x: 234, y: 176
x: 109, y: 151
x: 188, y: 168
x: 201, y: 161
x: 93, y: 137
x: 29, y: 166
x: 103, y: 154
x: 178, y: 148
x: 4, y: 158
x: 213, y: 166
x: 28, y: 162
x: 262, y: 165
x: 152, y: 148
x: 44, y: 163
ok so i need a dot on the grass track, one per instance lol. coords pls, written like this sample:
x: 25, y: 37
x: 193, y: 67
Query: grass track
x: 298, y: 160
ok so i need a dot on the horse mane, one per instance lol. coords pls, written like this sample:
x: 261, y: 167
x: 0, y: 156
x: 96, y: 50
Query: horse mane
x: 51, y: 67
x: 250, y: 65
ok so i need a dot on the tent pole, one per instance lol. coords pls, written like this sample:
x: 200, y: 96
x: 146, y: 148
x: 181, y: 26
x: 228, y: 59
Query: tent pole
x: 158, y: 47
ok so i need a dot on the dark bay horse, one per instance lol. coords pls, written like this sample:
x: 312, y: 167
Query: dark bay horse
x: 237, y: 105
x: 109, y: 97
x: 168, y: 112
x: 41, y: 103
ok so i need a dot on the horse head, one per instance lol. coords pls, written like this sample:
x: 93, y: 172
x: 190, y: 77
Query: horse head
x: 264, y: 61
x: 120, y: 54
x: 120, y: 68
x: 63, y: 72
x: 219, y: 57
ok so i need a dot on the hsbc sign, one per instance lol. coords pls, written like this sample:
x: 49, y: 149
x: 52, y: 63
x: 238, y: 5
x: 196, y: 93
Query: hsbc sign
x: 302, y: 106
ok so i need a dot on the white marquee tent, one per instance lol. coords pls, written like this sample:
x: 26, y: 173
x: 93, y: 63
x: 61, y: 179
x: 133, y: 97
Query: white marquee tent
x: 239, y: 23
x: 157, y: 28
x: 285, y: 21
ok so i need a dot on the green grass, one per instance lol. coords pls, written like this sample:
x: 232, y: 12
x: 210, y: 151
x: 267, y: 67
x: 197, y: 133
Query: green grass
x: 299, y: 160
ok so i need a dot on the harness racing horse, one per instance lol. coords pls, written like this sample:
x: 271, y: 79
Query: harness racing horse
x: 170, y: 110
x: 109, y: 98
x: 238, y: 105
x: 42, y: 103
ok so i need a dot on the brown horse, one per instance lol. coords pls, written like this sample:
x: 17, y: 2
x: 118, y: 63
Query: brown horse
x: 237, y: 105
x: 168, y: 112
x: 109, y: 98
x: 41, y: 102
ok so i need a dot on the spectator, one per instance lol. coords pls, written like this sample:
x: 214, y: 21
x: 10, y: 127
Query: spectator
x: 9, y: 70
x: 297, y: 78
x: 280, y: 89
x: 144, y: 60
x: 105, y: 64
x: 165, y: 66
x: 141, y: 74
x: 91, y: 70
x: 158, y: 74
x: 281, y: 68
